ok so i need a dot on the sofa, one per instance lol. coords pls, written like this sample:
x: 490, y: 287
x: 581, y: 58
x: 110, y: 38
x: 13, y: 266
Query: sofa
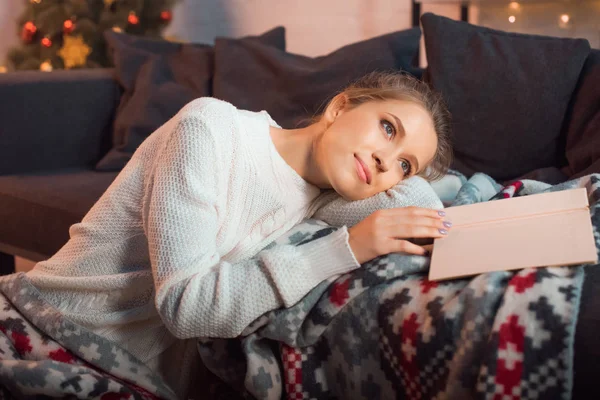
x: 523, y: 106
x: 65, y: 135
x: 55, y: 127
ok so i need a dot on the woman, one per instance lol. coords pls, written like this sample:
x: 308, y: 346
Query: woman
x: 172, y: 249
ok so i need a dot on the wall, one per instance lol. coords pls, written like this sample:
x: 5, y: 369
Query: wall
x: 317, y: 27
x: 10, y: 10
x: 313, y: 27
x: 543, y: 18
x: 444, y: 8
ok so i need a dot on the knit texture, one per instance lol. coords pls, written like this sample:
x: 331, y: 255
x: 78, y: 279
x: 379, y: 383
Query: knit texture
x: 414, y: 191
x: 172, y: 249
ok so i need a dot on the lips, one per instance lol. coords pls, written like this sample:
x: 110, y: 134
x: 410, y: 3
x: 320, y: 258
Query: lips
x: 363, y: 170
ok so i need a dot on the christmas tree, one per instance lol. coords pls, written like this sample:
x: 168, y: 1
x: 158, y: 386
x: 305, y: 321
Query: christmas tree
x: 68, y: 34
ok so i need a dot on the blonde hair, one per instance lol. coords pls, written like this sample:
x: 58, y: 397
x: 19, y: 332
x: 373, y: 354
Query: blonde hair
x: 398, y: 85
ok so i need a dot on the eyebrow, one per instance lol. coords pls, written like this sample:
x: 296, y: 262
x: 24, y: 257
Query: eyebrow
x: 402, y: 132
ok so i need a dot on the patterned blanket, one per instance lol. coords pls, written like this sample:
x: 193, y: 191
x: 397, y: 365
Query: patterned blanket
x: 384, y: 331
x: 43, y: 355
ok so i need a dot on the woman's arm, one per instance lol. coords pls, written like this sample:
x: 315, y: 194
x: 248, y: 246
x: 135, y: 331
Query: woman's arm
x: 197, y: 293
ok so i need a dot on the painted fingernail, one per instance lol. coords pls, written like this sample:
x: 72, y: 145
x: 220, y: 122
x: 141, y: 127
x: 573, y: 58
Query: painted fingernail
x: 441, y: 213
x: 443, y: 231
x: 448, y: 224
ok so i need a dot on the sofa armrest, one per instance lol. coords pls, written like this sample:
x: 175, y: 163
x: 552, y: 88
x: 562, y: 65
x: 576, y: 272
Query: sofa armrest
x: 54, y: 120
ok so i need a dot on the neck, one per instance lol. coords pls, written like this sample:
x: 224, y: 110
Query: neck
x: 297, y: 148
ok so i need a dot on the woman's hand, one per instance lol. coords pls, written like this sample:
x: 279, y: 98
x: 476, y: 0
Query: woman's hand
x: 386, y: 231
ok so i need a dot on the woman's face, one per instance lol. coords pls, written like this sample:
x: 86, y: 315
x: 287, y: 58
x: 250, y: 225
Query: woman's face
x: 370, y: 148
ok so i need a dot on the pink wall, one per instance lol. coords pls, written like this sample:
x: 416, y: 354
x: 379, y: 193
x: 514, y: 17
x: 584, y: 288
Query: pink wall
x: 9, y: 11
x: 314, y: 27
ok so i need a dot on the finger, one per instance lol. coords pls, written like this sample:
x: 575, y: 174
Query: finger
x: 403, y: 246
x: 418, y: 211
x: 420, y: 220
x: 403, y: 231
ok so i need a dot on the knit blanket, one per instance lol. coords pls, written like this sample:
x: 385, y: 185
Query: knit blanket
x: 44, y: 355
x: 384, y: 331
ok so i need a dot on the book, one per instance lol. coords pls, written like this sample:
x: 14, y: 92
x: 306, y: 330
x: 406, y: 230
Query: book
x: 547, y: 229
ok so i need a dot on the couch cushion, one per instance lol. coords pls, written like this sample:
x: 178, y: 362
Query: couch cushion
x: 37, y: 210
x: 292, y: 87
x: 507, y: 92
x: 582, y: 123
x: 159, y: 78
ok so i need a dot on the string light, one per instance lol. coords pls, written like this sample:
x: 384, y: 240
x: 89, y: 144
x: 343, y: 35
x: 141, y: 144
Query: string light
x: 564, y: 21
x: 512, y: 19
x: 46, y: 66
x: 514, y: 5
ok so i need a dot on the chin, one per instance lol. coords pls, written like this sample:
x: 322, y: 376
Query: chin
x: 343, y: 193
x: 352, y: 195
x: 349, y: 187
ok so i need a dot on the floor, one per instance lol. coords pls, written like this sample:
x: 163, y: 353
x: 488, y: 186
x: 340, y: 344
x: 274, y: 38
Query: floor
x: 23, y: 265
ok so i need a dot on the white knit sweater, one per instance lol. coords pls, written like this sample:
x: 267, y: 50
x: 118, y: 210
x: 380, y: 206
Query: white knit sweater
x: 167, y: 251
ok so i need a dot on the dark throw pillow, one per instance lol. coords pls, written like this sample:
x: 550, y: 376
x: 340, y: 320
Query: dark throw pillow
x: 583, y: 122
x: 159, y: 78
x: 292, y: 87
x: 507, y: 92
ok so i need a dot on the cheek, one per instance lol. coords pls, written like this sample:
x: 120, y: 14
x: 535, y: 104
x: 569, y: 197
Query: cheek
x: 393, y: 178
x: 329, y: 157
x: 335, y: 147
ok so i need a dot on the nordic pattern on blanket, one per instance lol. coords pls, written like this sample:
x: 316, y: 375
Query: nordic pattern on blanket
x: 70, y: 362
x: 385, y: 331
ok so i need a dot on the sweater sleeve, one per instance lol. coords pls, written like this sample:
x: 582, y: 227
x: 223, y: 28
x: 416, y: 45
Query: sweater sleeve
x: 197, y: 294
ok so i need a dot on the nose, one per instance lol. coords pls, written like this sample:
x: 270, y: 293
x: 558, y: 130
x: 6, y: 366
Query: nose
x: 380, y: 162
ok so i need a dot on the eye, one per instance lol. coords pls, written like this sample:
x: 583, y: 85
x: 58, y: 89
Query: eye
x: 388, y: 127
x: 406, y: 167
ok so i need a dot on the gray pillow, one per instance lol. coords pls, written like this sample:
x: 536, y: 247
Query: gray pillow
x: 582, y: 124
x: 414, y: 191
x: 508, y: 94
x: 159, y: 78
x: 294, y: 87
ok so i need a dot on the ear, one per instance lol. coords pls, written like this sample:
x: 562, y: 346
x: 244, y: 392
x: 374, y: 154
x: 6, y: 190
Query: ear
x: 336, y: 107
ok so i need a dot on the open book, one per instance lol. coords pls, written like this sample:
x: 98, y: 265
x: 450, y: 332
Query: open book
x: 548, y: 229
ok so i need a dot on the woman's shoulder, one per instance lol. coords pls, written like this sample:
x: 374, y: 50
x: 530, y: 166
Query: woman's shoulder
x: 205, y: 107
x: 220, y: 111
x: 207, y: 122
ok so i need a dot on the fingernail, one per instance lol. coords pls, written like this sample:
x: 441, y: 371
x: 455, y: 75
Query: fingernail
x: 443, y: 231
x: 441, y: 213
x: 448, y: 224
